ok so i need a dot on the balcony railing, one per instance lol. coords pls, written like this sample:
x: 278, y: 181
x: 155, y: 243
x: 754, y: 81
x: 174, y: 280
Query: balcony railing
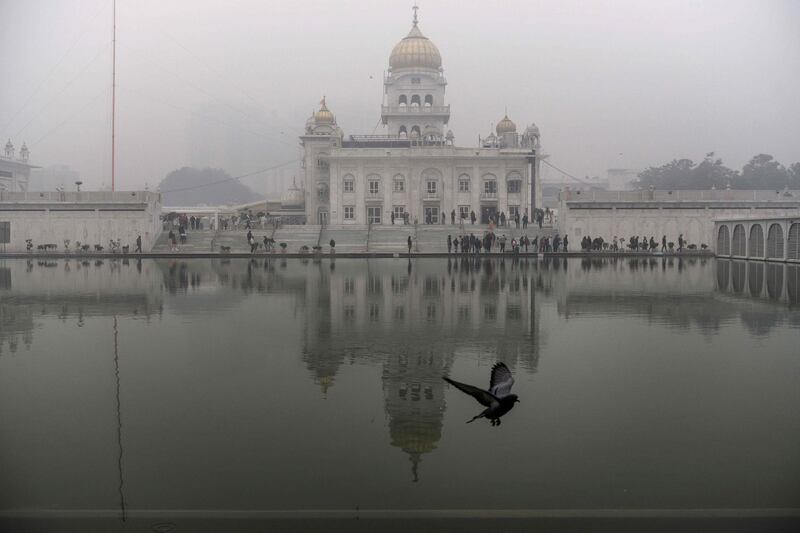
x: 488, y: 195
x: 408, y: 109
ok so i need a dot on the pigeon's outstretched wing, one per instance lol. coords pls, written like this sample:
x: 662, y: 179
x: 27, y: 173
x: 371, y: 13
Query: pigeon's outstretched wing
x: 483, y: 397
x: 501, y: 381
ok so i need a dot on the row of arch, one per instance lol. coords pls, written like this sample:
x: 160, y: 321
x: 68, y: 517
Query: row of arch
x: 741, y: 277
x: 740, y: 244
x: 415, y: 100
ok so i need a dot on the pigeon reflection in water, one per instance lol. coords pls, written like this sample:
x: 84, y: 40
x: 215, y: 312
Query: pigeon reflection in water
x: 498, y: 399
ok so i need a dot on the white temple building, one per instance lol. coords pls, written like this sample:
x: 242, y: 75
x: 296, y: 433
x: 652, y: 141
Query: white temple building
x: 416, y: 167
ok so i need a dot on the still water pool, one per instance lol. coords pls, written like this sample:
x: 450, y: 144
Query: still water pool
x: 302, y: 385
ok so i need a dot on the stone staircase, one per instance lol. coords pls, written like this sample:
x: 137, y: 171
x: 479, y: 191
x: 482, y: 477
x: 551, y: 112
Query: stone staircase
x: 349, y: 239
x: 297, y: 236
x: 198, y: 241
x: 390, y: 239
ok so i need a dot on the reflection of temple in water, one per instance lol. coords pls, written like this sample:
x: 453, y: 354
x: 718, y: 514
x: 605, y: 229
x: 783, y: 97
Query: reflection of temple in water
x: 692, y: 292
x: 72, y: 289
x: 407, y: 315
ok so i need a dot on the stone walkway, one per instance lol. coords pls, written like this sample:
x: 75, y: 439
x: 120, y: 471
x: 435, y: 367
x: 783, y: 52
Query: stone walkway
x: 349, y: 239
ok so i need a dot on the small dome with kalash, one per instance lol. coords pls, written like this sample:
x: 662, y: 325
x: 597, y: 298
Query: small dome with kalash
x: 324, y: 115
x: 506, y: 125
x: 294, y: 197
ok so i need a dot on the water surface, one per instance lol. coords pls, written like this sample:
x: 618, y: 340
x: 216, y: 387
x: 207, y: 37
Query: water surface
x: 300, y: 384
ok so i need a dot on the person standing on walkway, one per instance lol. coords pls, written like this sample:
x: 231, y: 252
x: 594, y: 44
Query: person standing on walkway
x: 680, y: 243
x: 472, y: 217
x: 453, y: 217
x: 664, y: 243
x: 392, y: 218
x: 525, y: 221
x: 138, y: 244
x: 502, y: 242
x: 409, y: 244
x: 449, y: 244
x: 566, y: 243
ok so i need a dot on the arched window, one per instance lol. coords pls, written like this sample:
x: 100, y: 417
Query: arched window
x: 756, y: 241
x: 373, y: 185
x: 724, y: 241
x: 403, y: 133
x: 514, y: 182
x: 430, y: 180
x: 349, y: 183
x: 794, y: 241
x: 415, y: 100
x: 428, y: 100
x: 775, y: 242
x: 489, y: 186
x: 399, y: 183
x: 463, y: 183
x: 322, y: 192
x: 403, y: 100
x: 415, y: 131
x: 739, y: 241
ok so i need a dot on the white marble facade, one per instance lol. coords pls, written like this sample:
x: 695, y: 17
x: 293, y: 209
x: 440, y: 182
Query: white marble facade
x: 415, y: 167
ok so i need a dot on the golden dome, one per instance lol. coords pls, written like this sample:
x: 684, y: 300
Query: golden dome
x: 324, y: 115
x: 415, y: 51
x: 506, y: 126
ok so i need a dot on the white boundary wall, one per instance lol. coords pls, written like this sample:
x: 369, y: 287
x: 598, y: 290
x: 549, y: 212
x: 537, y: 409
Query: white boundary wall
x: 657, y: 213
x: 93, y: 217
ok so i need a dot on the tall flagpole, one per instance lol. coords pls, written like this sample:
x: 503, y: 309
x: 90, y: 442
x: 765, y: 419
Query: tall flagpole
x: 114, y: 100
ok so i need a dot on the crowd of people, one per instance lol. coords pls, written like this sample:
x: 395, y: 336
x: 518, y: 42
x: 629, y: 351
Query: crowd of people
x: 484, y: 244
x: 637, y: 243
x: 540, y: 217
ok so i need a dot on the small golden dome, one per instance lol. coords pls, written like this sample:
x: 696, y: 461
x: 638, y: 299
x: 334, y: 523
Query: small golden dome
x: 506, y: 126
x: 415, y: 51
x: 324, y: 115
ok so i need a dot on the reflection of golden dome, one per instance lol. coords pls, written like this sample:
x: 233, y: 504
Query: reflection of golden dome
x: 324, y: 115
x: 325, y: 382
x: 506, y: 126
x: 415, y: 51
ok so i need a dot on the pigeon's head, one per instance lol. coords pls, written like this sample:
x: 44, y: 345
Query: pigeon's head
x: 514, y: 398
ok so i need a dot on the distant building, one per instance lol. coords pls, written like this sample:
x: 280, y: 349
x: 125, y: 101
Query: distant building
x: 15, y: 171
x: 622, y: 179
x: 416, y: 168
x: 52, y: 178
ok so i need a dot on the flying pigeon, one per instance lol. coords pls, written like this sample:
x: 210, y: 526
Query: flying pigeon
x: 498, y: 399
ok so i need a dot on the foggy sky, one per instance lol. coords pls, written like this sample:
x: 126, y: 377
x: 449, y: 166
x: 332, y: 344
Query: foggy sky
x: 625, y: 83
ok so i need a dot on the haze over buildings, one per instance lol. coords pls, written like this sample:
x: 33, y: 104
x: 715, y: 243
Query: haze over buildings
x: 613, y: 84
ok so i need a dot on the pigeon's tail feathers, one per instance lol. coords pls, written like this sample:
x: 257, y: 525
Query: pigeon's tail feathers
x: 474, y: 418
